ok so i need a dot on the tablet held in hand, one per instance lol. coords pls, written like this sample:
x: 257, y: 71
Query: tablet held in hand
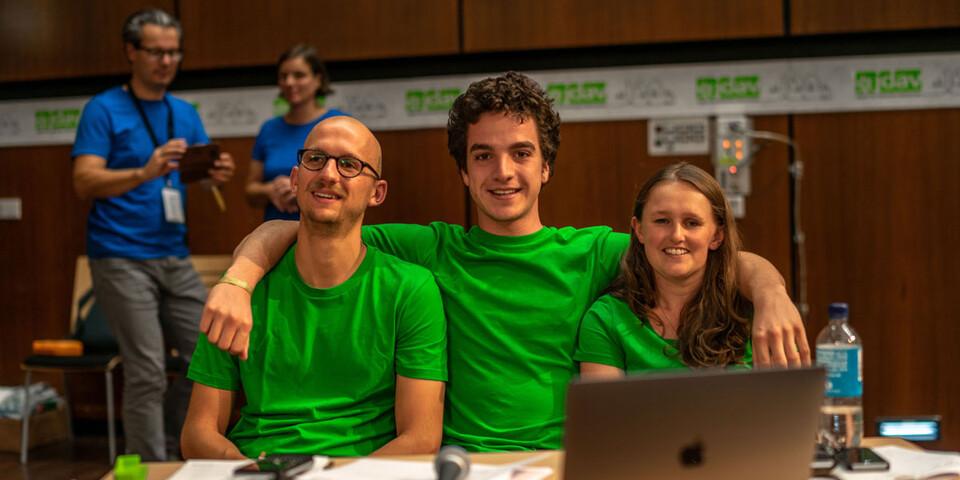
x: 198, y: 161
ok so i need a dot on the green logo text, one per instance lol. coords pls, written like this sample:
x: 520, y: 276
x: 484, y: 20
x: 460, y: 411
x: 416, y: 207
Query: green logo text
x: 430, y: 100
x: 885, y: 82
x: 578, y: 93
x: 56, y: 120
x: 741, y: 87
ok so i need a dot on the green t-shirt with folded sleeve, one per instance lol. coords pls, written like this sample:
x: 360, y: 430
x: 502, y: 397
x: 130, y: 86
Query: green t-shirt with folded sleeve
x: 611, y: 334
x: 321, y: 375
x: 513, y: 307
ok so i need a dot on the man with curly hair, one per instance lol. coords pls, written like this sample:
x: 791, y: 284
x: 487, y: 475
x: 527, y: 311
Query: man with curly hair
x: 514, y: 290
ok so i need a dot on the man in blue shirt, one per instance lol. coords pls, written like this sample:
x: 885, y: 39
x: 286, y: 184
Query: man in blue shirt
x: 129, y: 141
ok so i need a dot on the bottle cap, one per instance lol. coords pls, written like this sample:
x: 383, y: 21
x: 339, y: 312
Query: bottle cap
x: 838, y: 310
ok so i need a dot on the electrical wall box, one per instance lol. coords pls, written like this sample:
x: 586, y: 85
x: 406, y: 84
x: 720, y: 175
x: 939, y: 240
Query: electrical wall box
x: 731, y: 153
x: 678, y: 136
x: 10, y: 208
x: 738, y: 204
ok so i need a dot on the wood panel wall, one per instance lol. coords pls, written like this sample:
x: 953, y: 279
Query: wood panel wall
x: 38, y: 252
x: 422, y: 180
x: 490, y: 25
x: 211, y: 231
x: 219, y: 33
x: 882, y: 209
x: 830, y: 16
x: 47, y: 39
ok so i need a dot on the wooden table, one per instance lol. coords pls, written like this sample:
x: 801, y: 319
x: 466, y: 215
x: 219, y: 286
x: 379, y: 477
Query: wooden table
x: 554, y: 459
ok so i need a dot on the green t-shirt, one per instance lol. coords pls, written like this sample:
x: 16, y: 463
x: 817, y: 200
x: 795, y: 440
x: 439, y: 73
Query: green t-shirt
x: 513, y: 307
x: 321, y: 377
x: 611, y: 334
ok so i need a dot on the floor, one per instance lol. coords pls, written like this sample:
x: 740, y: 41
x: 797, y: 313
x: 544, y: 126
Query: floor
x: 85, y: 458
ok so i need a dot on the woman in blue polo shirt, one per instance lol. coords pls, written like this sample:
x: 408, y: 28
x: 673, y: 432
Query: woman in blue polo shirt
x: 302, y: 78
x: 675, y: 303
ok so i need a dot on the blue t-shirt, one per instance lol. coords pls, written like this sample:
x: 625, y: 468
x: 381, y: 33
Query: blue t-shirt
x: 132, y: 225
x: 276, y: 147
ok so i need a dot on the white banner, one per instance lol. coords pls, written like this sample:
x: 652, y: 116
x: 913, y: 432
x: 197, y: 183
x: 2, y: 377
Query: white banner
x: 836, y: 84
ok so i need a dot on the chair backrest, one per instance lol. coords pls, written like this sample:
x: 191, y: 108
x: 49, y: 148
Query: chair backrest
x: 92, y: 328
x: 82, y: 284
x: 87, y: 322
x: 211, y: 267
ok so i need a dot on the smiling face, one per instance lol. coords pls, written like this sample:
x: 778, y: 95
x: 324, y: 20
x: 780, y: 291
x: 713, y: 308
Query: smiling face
x: 678, y: 230
x: 150, y: 71
x: 298, y: 83
x: 325, y: 197
x: 504, y: 173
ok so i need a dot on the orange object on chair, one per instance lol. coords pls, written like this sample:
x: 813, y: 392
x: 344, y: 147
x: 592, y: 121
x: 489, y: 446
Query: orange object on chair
x: 58, y: 348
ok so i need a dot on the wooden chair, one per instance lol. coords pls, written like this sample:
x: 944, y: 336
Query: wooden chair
x: 101, y: 354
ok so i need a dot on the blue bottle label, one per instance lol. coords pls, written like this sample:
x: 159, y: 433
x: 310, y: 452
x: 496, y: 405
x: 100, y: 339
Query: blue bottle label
x: 844, y: 364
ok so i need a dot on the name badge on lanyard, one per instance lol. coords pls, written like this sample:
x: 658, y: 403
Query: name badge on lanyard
x: 172, y: 199
x: 173, y: 205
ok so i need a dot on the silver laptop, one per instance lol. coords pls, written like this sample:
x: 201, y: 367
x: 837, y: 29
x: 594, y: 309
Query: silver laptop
x: 712, y: 424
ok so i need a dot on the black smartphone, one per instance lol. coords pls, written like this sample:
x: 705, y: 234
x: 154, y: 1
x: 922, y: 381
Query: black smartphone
x: 274, y: 467
x: 860, y: 459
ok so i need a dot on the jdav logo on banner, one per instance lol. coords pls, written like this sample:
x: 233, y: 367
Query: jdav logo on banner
x: 887, y: 82
x: 716, y: 89
x: 51, y: 121
x: 433, y: 100
x: 574, y: 94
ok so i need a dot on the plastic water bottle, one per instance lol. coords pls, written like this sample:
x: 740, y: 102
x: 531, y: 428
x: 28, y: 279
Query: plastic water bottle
x: 840, y: 352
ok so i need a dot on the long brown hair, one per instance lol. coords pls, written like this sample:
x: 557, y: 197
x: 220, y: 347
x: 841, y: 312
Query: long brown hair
x: 713, y: 330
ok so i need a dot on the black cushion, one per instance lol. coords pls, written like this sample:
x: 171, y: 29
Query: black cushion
x: 92, y: 361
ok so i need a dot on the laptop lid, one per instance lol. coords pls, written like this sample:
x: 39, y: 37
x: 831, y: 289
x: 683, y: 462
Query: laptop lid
x: 715, y: 424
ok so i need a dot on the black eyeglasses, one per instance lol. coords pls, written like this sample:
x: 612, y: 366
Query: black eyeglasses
x: 158, y: 53
x: 348, y: 167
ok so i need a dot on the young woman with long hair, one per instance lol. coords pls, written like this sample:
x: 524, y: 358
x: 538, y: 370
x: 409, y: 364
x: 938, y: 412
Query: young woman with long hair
x: 675, y: 303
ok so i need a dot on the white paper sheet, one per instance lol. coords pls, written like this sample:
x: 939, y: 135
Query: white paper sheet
x: 373, y: 469
x: 223, y: 469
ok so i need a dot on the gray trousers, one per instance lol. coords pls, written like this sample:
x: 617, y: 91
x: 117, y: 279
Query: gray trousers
x: 152, y: 306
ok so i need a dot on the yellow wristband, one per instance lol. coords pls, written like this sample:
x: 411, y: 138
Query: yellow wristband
x: 235, y: 282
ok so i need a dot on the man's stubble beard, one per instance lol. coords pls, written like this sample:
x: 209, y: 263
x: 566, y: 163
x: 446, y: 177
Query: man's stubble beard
x: 332, y: 227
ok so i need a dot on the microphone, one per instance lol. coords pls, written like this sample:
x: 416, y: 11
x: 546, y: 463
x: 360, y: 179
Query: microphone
x: 452, y: 463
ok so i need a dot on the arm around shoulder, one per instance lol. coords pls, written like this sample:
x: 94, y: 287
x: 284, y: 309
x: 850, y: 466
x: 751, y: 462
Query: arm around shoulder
x: 227, y: 318
x: 779, y: 337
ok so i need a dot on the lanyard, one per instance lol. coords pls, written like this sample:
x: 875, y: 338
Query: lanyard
x: 146, y: 122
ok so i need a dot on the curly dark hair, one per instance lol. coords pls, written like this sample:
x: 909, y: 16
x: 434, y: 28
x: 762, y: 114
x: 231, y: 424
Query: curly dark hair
x: 512, y: 94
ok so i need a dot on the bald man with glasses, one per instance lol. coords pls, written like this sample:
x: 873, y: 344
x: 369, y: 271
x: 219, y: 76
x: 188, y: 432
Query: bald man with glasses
x: 348, y: 349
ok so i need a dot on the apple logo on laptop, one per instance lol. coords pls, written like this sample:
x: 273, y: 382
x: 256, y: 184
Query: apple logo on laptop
x: 692, y: 454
